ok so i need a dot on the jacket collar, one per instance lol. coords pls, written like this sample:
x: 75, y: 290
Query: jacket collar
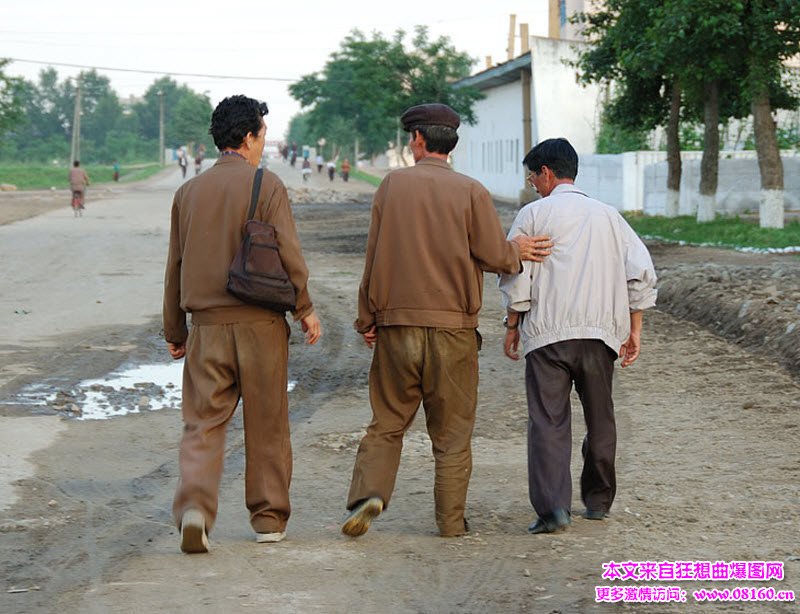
x: 434, y: 162
x: 230, y: 159
x: 567, y: 188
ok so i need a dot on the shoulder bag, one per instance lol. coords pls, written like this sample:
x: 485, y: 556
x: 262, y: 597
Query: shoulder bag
x: 256, y: 274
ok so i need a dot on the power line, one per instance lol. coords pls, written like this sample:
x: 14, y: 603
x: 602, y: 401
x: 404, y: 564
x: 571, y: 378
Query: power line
x: 153, y: 72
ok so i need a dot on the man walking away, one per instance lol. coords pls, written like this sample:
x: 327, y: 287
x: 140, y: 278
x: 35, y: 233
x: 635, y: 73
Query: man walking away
x: 78, y: 181
x: 433, y: 233
x: 233, y: 350
x: 575, y: 313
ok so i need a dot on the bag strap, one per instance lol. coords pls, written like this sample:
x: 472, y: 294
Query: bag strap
x: 256, y: 191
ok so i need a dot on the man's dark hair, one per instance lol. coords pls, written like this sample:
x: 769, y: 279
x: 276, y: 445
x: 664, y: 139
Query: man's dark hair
x: 438, y: 139
x: 233, y: 118
x: 557, y: 155
x: 76, y: 163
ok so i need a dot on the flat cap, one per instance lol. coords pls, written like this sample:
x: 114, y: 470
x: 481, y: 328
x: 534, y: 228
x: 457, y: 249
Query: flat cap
x: 433, y: 114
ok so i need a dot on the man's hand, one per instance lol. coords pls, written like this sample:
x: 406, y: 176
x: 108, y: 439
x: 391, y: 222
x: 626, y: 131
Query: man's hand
x: 533, y: 248
x: 312, y: 327
x: 371, y: 336
x: 629, y: 351
x: 511, y: 343
x: 176, y: 350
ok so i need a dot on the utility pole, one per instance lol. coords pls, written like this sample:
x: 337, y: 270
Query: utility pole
x: 75, y: 153
x: 399, y: 145
x: 161, y: 127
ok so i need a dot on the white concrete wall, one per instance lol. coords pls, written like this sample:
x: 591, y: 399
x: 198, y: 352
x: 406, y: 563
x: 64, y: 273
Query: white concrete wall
x: 491, y: 151
x: 739, y: 188
x: 617, y: 179
x: 601, y: 177
x: 561, y: 107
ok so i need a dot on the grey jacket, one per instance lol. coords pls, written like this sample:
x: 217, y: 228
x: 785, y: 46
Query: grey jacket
x: 599, y: 271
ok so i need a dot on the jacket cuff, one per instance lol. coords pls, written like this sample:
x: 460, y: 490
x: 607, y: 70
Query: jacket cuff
x: 301, y: 313
x: 361, y: 327
x: 178, y: 337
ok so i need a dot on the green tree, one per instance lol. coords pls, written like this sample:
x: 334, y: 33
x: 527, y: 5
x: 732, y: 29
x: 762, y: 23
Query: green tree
x: 101, y: 112
x: 43, y: 131
x: 712, y: 59
x: 11, y: 108
x: 368, y: 83
x: 300, y: 130
x: 149, y: 109
x: 772, y: 30
x: 627, y: 54
x: 614, y: 137
x: 191, y: 119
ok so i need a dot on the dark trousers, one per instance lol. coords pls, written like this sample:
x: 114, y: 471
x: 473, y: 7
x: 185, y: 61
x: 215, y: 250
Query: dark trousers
x: 549, y: 374
x: 439, y: 368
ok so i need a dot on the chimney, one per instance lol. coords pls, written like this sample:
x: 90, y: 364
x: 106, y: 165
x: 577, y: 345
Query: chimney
x: 512, y: 26
x: 554, y: 22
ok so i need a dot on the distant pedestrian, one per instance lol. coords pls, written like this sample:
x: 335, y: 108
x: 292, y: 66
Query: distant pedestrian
x: 346, y: 170
x: 331, y: 170
x: 306, y: 169
x: 78, y: 180
x: 320, y: 163
x: 182, y: 162
x: 198, y: 159
x: 116, y: 170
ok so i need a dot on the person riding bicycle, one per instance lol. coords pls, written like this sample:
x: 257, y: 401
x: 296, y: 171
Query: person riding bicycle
x: 78, y: 180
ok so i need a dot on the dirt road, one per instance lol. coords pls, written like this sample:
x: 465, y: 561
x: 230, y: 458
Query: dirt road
x: 708, y: 460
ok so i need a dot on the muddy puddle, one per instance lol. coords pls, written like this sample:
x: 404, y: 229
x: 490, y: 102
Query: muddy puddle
x: 133, y: 390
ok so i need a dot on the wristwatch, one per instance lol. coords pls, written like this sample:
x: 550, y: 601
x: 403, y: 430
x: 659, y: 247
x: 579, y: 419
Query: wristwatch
x: 506, y: 324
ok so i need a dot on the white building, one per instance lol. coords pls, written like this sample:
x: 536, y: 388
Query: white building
x: 529, y: 98
x: 533, y: 97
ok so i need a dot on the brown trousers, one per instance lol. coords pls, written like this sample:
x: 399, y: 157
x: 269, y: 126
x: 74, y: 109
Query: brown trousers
x: 439, y: 367
x: 549, y: 374
x: 223, y: 363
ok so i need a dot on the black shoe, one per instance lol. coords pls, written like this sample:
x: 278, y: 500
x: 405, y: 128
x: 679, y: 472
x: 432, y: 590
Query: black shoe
x: 550, y: 523
x: 595, y: 515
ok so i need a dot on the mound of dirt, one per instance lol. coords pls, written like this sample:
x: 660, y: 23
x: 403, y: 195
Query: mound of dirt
x: 757, y: 306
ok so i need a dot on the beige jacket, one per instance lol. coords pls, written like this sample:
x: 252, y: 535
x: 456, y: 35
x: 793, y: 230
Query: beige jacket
x: 433, y: 233
x: 78, y: 179
x: 208, y: 213
x: 599, y: 271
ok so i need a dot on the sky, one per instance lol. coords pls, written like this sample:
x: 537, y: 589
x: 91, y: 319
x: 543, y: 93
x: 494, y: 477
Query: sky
x: 271, y: 43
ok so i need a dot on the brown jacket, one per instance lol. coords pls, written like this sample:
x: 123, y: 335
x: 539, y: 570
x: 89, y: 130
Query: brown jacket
x: 208, y: 213
x: 78, y: 179
x: 433, y: 233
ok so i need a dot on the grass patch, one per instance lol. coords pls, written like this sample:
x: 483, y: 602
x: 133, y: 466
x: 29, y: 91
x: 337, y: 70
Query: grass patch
x: 43, y: 177
x: 723, y: 231
x: 370, y: 179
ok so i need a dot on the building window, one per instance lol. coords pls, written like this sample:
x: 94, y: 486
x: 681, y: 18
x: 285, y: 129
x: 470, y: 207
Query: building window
x: 562, y: 11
